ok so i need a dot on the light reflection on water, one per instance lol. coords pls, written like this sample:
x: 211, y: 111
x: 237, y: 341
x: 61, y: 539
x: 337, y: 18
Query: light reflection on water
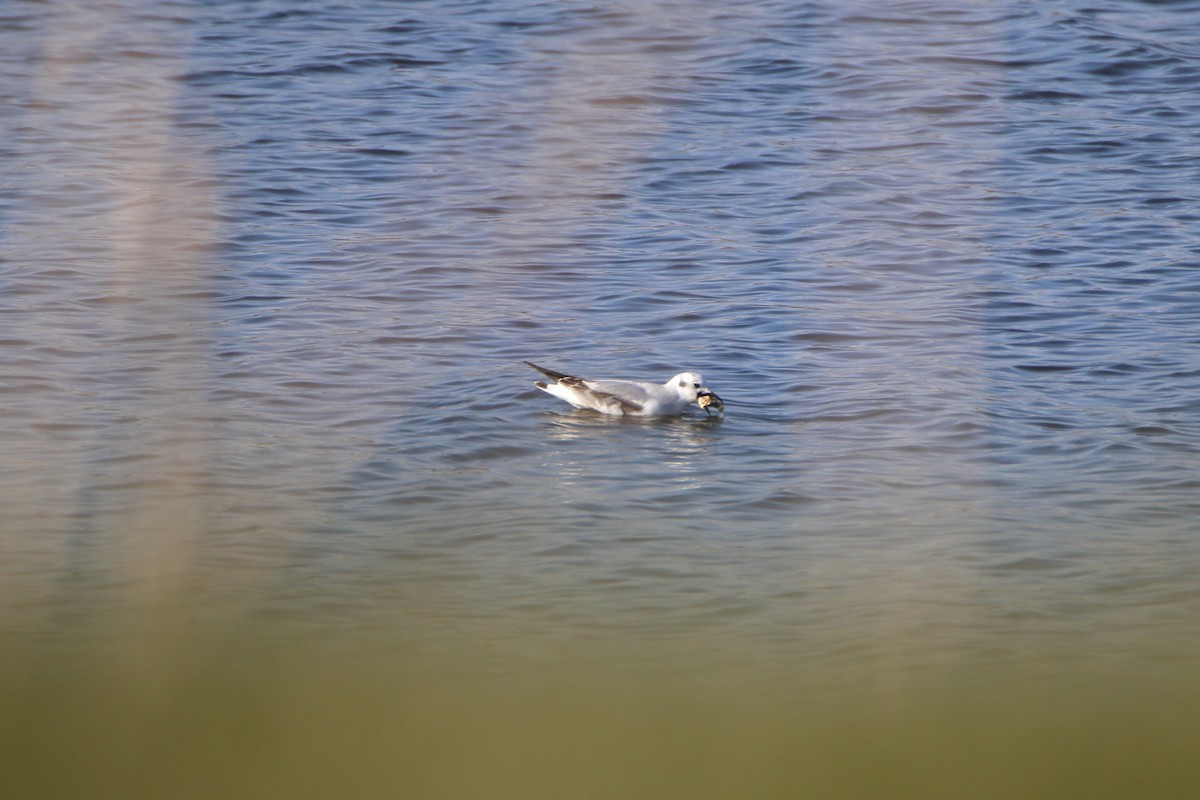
x: 269, y: 275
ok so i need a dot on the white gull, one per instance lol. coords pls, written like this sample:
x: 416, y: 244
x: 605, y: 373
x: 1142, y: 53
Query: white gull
x: 631, y: 398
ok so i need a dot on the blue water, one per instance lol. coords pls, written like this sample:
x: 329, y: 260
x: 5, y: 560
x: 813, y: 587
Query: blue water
x: 269, y: 272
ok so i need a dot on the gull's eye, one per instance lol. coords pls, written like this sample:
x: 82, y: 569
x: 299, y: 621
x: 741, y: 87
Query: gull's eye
x: 696, y: 385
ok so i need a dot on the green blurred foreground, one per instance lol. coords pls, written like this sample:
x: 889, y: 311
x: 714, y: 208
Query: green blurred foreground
x: 183, y: 720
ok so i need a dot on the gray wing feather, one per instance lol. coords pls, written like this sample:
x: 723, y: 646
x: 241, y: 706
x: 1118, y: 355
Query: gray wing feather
x: 606, y: 398
x: 580, y: 387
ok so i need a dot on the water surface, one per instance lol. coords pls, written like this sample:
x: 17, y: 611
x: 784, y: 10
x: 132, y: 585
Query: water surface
x: 269, y: 273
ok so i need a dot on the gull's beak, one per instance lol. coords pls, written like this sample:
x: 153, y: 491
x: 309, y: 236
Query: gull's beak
x: 708, y: 399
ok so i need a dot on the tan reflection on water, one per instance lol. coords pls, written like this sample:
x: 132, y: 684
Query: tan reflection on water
x: 120, y: 181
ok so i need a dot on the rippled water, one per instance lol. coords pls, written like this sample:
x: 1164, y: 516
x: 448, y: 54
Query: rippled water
x: 270, y: 269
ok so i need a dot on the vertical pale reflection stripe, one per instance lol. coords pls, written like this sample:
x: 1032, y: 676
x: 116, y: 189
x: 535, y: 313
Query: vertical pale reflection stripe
x: 910, y: 175
x: 597, y: 115
x: 107, y: 86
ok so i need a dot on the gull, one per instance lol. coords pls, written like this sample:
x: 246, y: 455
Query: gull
x: 631, y: 398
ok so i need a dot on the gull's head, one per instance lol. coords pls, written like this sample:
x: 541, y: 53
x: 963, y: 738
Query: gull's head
x: 691, y: 388
x: 689, y: 385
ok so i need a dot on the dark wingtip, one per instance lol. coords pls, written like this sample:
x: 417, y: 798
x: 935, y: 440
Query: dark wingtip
x: 549, y: 373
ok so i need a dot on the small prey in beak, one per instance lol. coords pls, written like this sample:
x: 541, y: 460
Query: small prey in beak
x: 709, y: 401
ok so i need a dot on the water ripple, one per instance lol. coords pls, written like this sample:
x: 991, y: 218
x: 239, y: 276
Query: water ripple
x: 269, y: 278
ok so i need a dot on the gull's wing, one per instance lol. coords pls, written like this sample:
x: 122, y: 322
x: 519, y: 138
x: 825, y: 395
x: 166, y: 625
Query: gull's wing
x: 595, y: 395
x: 628, y: 391
x: 599, y: 395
